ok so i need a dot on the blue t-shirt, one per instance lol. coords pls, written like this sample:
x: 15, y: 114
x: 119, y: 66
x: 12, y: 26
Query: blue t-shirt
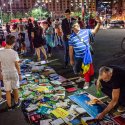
x: 78, y: 45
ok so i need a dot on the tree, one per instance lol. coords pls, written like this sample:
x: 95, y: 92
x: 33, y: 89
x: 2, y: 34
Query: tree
x: 39, y: 13
x: 6, y: 17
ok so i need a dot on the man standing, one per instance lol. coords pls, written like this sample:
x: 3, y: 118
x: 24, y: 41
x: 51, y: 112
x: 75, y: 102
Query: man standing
x: 29, y: 30
x: 66, y: 28
x: 21, y: 28
x: 111, y: 81
x: 79, y: 45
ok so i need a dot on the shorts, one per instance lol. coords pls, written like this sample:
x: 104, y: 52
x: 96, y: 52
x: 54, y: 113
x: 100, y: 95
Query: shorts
x: 77, y: 68
x: 11, y: 81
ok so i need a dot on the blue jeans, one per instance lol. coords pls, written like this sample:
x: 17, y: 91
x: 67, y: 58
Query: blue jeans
x: 66, y: 58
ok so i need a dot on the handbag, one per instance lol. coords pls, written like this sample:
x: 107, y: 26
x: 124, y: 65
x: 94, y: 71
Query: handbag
x: 87, y: 57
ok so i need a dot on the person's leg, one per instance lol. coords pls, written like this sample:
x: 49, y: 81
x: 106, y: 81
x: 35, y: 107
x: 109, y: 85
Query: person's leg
x: 16, y: 95
x: 0, y: 94
x: 66, y: 60
x: 49, y: 51
x: 8, y: 98
x: 38, y: 54
x: 88, y: 71
x: 44, y: 52
x: 61, y: 41
x: 31, y: 44
x: 7, y: 85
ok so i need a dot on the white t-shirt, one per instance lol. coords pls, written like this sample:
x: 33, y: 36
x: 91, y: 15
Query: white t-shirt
x: 8, y: 57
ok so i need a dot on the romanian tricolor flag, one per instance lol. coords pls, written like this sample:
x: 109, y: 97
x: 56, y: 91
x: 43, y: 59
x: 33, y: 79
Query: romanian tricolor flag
x: 88, y: 71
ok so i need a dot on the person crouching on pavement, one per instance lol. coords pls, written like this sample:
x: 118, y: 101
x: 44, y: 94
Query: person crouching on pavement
x: 111, y: 81
x: 11, y: 73
x: 79, y: 45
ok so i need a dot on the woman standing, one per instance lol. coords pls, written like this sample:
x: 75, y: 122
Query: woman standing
x: 38, y: 41
x: 49, y: 37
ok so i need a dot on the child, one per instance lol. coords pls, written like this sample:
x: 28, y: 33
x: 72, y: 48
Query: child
x: 21, y: 42
x: 10, y: 71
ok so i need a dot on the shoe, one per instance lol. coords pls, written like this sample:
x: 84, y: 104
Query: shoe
x: 86, y: 85
x: 49, y: 55
x: 38, y: 59
x: 121, y: 109
x: 17, y: 105
x: 80, y: 80
x: 9, y: 109
x: 2, y: 101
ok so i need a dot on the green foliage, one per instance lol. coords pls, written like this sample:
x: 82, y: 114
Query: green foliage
x: 38, y: 13
x: 6, y: 17
x: 78, y: 14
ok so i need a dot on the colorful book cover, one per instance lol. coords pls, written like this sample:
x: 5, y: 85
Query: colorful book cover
x: 120, y: 119
x: 60, y: 113
x: 82, y: 99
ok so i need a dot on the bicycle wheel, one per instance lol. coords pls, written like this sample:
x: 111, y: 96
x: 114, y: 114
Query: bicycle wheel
x: 123, y: 44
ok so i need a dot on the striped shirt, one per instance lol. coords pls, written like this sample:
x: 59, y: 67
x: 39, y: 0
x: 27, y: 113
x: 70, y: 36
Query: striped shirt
x: 78, y: 45
x: 1, y: 31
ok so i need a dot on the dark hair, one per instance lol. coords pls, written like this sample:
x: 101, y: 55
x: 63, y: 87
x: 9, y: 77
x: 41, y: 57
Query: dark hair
x: 10, y: 39
x: 49, y: 21
x: 36, y: 23
x: 20, y: 19
x: 29, y: 20
x: 79, y: 18
x: 57, y: 19
x: 68, y: 11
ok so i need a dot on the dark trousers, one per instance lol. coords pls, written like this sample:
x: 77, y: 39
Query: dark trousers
x: 66, y: 58
x: 108, y: 92
x: 49, y: 49
x: 31, y: 42
x: 59, y: 39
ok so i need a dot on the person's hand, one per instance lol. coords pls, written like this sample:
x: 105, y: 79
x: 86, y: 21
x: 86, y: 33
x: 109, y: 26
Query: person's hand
x: 100, y: 116
x: 97, y: 18
x: 71, y: 62
x: 20, y: 77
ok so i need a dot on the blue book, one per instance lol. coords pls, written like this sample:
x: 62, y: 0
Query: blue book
x: 92, y: 110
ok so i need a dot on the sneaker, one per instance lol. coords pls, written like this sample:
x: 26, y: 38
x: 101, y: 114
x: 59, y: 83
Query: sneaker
x: 9, y: 109
x: 2, y: 101
x: 80, y: 80
x: 49, y: 55
x: 17, y: 105
x: 121, y: 109
x: 38, y: 60
x: 86, y: 85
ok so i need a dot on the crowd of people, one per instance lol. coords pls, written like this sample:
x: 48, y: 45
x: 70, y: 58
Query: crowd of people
x: 68, y: 33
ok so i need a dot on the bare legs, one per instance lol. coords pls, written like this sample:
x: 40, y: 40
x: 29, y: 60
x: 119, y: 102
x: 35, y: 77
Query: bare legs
x: 8, y: 97
x: 38, y: 53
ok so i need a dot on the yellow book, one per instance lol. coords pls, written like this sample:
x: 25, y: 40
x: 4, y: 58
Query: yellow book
x: 42, y: 89
x: 60, y: 113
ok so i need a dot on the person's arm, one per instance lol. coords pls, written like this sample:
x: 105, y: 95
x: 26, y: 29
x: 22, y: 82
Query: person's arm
x: 17, y: 65
x: 112, y: 104
x: 71, y: 55
x: 63, y: 26
x: 96, y: 29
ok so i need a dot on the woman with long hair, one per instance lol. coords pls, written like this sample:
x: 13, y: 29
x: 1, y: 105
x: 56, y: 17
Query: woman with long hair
x: 49, y: 37
x: 38, y: 41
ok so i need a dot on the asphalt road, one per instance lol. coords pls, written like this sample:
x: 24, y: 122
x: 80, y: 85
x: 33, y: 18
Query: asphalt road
x: 107, y: 51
